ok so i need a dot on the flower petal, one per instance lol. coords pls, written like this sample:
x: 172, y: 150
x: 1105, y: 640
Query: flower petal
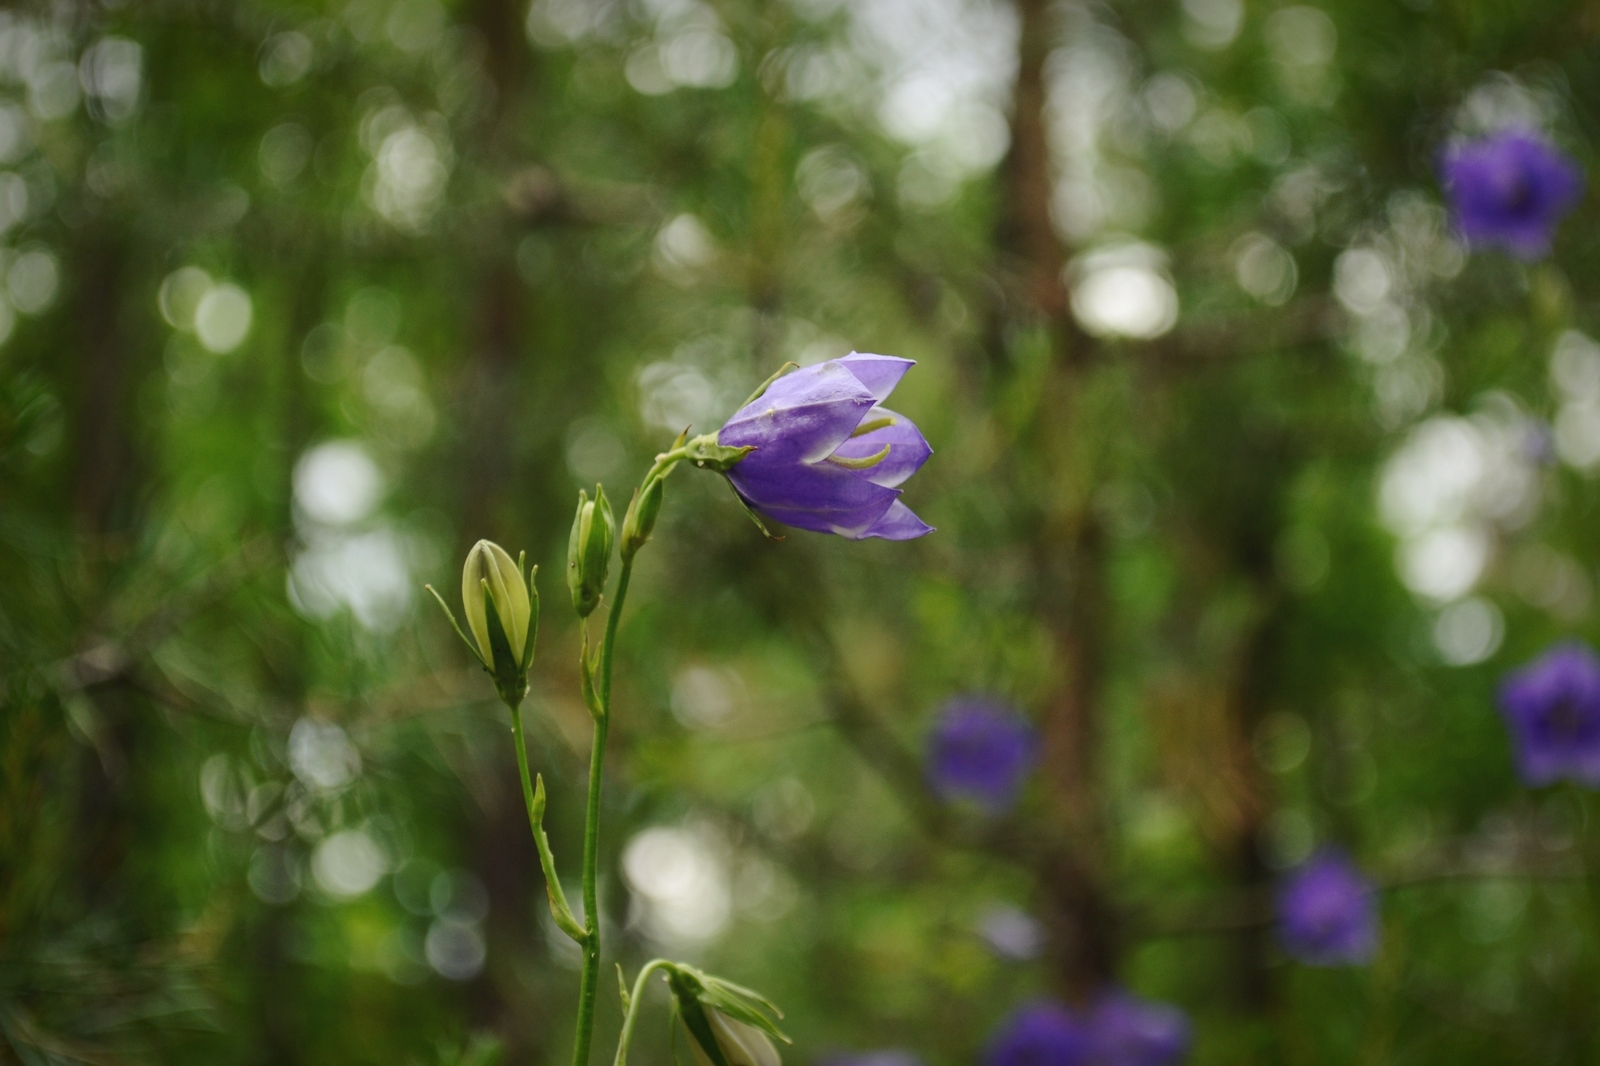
x: 908, y: 450
x: 899, y: 522
x: 802, y: 417
x: 879, y: 373
x: 821, y: 498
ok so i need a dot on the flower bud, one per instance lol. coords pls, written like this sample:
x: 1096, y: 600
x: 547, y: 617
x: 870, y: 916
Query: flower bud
x: 589, y: 551
x: 489, y: 565
x: 740, y: 1044
x: 640, y: 520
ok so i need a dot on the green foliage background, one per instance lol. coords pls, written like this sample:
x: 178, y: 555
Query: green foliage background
x: 251, y: 792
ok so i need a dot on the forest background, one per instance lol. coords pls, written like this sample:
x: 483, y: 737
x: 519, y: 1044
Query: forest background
x: 1251, y: 480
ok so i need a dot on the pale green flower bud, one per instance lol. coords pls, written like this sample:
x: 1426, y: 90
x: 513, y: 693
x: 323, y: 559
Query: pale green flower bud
x: 589, y: 551
x: 640, y: 520
x: 740, y: 1044
x: 488, y: 564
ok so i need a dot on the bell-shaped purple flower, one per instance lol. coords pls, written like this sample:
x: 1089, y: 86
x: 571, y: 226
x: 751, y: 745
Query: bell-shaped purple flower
x: 1552, y: 708
x: 1327, y: 913
x: 1511, y: 189
x: 1125, y: 1030
x: 827, y: 457
x: 981, y: 749
x: 1041, y: 1034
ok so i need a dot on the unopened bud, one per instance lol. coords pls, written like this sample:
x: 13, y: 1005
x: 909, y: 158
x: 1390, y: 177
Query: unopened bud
x: 490, y: 576
x: 640, y: 520
x: 589, y: 551
x: 740, y: 1044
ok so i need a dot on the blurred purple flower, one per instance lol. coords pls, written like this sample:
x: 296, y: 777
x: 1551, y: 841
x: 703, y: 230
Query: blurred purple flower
x: 1511, y: 189
x: 827, y: 458
x: 1552, y: 708
x: 1127, y: 1031
x: 980, y: 749
x: 1041, y: 1034
x: 1117, y: 1029
x: 1327, y: 914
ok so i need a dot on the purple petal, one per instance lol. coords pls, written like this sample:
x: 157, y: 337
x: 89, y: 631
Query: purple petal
x: 879, y: 373
x: 907, y: 449
x: 802, y: 417
x: 1511, y: 189
x: 822, y: 498
x: 1552, y: 710
x: 1327, y: 913
x: 897, y: 523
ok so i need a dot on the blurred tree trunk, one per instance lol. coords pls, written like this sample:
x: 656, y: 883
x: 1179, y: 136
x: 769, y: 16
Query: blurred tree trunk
x: 104, y: 488
x: 490, y: 398
x: 1068, y: 547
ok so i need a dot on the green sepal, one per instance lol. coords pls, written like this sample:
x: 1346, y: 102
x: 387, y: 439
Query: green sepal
x: 761, y: 390
x: 735, y: 1001
x: 510, y: 680
x: 533, y: 616
x: 705, y: 453
x: 472, y: 645
x: 685, y: 990
x: 587, y: 666
x: 566, y: 921
x: 750, y: 513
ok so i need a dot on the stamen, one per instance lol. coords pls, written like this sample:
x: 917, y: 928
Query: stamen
x: 876, y: 424
x: 860, y: 464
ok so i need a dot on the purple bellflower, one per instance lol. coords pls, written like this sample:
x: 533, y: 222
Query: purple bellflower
x: 1127, y: 1031
x: 1041, y: 1034
x: 1511, y: 189
x: 1552, y: 708
x: 982, y: 750
x: 1327, y: 913
x: 826, y: 457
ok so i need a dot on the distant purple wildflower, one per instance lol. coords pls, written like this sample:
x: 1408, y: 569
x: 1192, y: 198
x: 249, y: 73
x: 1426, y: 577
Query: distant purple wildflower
x: 1511, y: 189
x: 1127, y: 1031
x: 827, y: 458
x: 1041, y: 1034
x: 1117, y: 1029
x: 1327, y: 914
x: 1552, y: 708
x: 981, y: 749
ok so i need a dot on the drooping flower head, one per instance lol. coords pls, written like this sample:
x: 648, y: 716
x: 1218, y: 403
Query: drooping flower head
x: 1125, y: 1030
x: 981, y: 749
x: 1552, y: 709
x: 827, y: 458
x: 1511, y: 189
x: 1041, y: 1034
x: 1327, y: 913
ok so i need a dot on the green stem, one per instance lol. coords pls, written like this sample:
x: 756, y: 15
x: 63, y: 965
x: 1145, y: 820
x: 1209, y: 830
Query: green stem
x: 522, y: 766
x: 591, y: 832
x: 633, y: 1008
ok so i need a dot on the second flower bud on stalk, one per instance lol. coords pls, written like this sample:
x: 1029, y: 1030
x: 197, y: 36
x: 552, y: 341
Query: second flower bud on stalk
x: 589, y: 550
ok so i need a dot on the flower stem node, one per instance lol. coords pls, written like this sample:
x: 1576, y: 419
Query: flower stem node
x: 728, y: 1025
x: 501, y: 605
x: 589, y: 550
